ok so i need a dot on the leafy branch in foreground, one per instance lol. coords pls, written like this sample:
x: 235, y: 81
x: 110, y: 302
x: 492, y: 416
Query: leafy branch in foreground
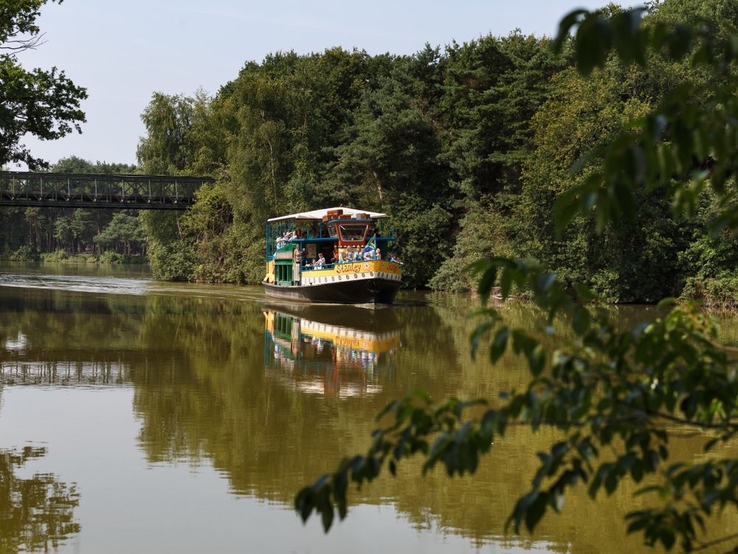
x: 613, y: 394
x: 686, y: 144
x: 617, y: 396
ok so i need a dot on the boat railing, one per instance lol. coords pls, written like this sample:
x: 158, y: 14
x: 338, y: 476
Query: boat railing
x: 306, y: 266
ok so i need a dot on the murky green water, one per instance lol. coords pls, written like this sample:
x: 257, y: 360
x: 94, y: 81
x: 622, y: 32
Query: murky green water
x: 138, y: 416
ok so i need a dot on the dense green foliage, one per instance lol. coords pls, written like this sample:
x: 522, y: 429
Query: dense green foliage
x: 467, y: 148
x: 437, y: 140
x: 619, y: 398
x: 45, y: 104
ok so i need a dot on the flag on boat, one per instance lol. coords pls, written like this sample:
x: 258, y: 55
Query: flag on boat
x: 371, y: 244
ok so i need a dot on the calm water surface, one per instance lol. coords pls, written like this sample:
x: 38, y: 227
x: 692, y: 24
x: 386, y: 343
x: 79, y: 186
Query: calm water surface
x: 138, y: 416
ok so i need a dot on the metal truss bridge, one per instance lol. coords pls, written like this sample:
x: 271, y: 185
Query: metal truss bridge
x: 98, y: 190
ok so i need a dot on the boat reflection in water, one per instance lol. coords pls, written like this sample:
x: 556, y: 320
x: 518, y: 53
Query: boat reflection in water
x: 331, y: 350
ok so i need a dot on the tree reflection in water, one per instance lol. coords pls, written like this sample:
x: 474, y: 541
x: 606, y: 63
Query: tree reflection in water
x: 36, y: 514
x: 272, y: 400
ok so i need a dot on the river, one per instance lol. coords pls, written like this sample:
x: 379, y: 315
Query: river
x: 148, y: 417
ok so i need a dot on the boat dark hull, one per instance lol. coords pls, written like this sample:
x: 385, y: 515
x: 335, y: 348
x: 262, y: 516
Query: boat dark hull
x: 370, y: 318
x: 362, y: 291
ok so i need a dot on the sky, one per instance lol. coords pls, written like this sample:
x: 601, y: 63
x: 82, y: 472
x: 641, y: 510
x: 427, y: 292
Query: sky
x: 123, y: 52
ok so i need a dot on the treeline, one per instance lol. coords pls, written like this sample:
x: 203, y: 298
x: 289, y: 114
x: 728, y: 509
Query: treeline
x: 437, y: 140
x: 467, y: 148
x: 56, y: 234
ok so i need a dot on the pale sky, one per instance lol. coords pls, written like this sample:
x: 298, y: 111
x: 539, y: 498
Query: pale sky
x: 122, y: 52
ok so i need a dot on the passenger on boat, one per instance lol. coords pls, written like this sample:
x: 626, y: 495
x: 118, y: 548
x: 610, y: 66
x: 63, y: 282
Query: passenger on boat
x: 320, y: 262
x: 378, y: 255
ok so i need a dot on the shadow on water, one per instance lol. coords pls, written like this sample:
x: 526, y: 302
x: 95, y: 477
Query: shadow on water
x: 410, y: 303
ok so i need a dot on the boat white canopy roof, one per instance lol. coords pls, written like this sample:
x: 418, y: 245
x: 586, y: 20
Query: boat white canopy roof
x: 317, y: 215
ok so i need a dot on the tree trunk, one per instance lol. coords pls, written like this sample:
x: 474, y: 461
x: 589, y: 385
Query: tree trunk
x: 379, y: 187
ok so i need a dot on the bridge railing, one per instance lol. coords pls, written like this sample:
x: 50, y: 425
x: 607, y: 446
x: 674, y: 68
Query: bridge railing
x: 98, y: 190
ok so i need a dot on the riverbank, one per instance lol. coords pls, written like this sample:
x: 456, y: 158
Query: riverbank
x: 25, y: 254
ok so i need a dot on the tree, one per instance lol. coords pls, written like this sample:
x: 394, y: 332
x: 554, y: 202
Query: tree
x: 391, y: 159
x: 167, y: 119
x: 496, y: 87
x: 45, y: 104
x: 63, y: 233
x: 617, y: 396
x: 124, y: 231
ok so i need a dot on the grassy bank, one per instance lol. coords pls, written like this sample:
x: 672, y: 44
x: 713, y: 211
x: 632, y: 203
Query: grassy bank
x: 26, y: 254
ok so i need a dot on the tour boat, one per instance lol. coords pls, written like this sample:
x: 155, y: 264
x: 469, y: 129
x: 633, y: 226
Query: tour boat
x: 337, y: 255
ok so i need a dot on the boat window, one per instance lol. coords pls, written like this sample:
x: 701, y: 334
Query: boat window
x: 352, y: 232
x: 332, y: 231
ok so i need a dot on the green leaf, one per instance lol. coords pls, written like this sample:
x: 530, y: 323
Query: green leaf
x: 565, y: 25
x: 537, y: 360
x: 679, y: 42
x: 303, y: 503
x: 535, y: 511
x: 637, y: 525
x: 593, y: 40
x: 584, y: 294
x: 667, y: 538
x: 479, y: 331
x: 486, y: 282
x: 611, y: 482
x: 581, y: 321
x: 499, y: 345
x: 340, y: 486
x: 506, y: 280
x: 326, y: 514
